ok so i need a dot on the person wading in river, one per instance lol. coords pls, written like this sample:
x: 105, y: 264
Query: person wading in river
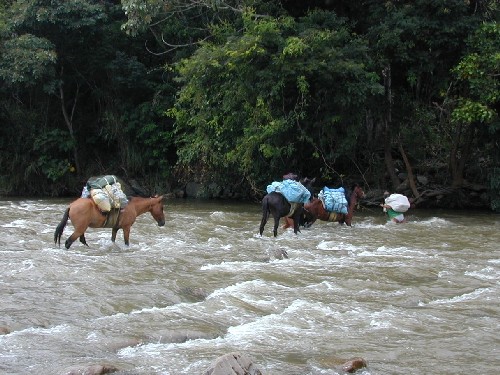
x: 392, y: 215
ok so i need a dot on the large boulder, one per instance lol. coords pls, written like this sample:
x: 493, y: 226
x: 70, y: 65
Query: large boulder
x: 233, y: 364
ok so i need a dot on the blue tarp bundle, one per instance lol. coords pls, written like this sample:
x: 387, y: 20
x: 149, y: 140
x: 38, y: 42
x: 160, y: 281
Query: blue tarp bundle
x: 292, y: 190
x: 334, y: 200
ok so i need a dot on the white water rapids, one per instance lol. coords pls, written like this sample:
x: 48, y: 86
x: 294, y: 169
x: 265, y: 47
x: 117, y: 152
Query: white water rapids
x: 416, y: 298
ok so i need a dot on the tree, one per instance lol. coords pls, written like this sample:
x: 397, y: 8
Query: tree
x: 415, y: 43
x: 282, y: 94
x: 47, y: 39
x: 475, y: 103
x: 94, y: 106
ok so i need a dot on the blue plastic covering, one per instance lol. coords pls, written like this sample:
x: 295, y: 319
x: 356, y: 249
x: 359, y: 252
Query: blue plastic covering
x: 334, y: 200
x: 292, y: 190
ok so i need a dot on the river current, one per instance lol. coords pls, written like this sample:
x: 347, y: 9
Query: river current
x: 415, y: 298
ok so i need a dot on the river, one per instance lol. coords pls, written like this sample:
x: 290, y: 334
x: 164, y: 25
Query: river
x: 415, y: 298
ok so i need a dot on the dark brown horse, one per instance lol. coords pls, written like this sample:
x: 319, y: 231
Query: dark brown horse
x: 278, y: 206
x: 315, y: 210
x: 84, y: 213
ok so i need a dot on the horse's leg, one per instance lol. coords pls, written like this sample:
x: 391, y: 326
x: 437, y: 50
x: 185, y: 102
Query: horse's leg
x: 296, y: 228
x: 280, y: 208
x: 276, y: 224
x: 79, y: 232
x: 126, y: 234
x: 296, y: 220
x: 265, y: 214
x: 347, y: 219
x: 288, y: 223
x: 82, y: 240
x: 263, y: 223
x: 76, y: 234
x: 68, y: 242
x: 114, y: 231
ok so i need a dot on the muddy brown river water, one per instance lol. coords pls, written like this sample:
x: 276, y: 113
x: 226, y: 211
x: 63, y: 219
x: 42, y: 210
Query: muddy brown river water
x: 417, y: 298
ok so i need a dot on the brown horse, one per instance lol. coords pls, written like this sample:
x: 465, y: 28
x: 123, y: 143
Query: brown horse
x: 84, y: 213
x: 315, y: 210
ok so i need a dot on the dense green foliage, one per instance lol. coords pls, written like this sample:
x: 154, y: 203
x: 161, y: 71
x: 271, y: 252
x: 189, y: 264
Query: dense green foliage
x: 274, y: 98
x: 244, y: 91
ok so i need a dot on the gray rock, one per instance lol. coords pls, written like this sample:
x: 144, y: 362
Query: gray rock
x: 233, y: 364
x: 180, y: 336
x: 91, y: 370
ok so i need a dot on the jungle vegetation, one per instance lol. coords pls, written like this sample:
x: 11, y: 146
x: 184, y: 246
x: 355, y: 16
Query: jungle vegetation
x: 397, y: 94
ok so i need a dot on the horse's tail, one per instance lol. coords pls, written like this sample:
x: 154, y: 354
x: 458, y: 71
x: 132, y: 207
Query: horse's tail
x: 60, y: 228
x: 347, y: 194
x: 265, y: 207
x: 265, y: 213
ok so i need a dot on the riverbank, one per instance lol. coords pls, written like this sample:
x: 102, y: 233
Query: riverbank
x: 433, y: 196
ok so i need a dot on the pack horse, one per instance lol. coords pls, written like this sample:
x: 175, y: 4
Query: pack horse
x: 85, y: 213
x: 277, y: 204
x: 315, y: 209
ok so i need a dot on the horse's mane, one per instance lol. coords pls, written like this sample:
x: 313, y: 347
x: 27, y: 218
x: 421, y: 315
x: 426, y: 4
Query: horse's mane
x: 348, y: 192
x: 308, y: 184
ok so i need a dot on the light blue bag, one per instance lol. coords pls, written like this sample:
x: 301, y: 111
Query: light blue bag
x: 292, y: 190
x: 334, y: 200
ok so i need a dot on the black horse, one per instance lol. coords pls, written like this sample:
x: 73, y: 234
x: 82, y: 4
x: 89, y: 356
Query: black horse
x: 277, y: 205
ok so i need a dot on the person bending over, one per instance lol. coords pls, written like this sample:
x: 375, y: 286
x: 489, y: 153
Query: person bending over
x: 392, y: 215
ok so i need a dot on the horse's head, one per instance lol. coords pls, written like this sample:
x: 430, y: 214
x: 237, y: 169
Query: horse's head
x: 307, y: 218
x: 358, y: 191
x: 156, y: 210
x: 308, y: 184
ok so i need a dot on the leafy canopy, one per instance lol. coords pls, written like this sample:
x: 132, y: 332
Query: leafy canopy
x: 478, y: 77
x: 250, y: 104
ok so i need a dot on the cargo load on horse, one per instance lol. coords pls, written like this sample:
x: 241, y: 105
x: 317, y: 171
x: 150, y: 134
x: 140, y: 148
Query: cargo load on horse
x: 334, y: 200
x: 106, y: 191
x: 398, y: 202
x: 292, y: 190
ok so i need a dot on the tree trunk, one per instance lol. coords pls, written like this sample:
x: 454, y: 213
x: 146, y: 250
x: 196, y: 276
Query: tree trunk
x: 409, y: 170
x: 460, y: 153
x: 389, y: 162
x: 68, y: 118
